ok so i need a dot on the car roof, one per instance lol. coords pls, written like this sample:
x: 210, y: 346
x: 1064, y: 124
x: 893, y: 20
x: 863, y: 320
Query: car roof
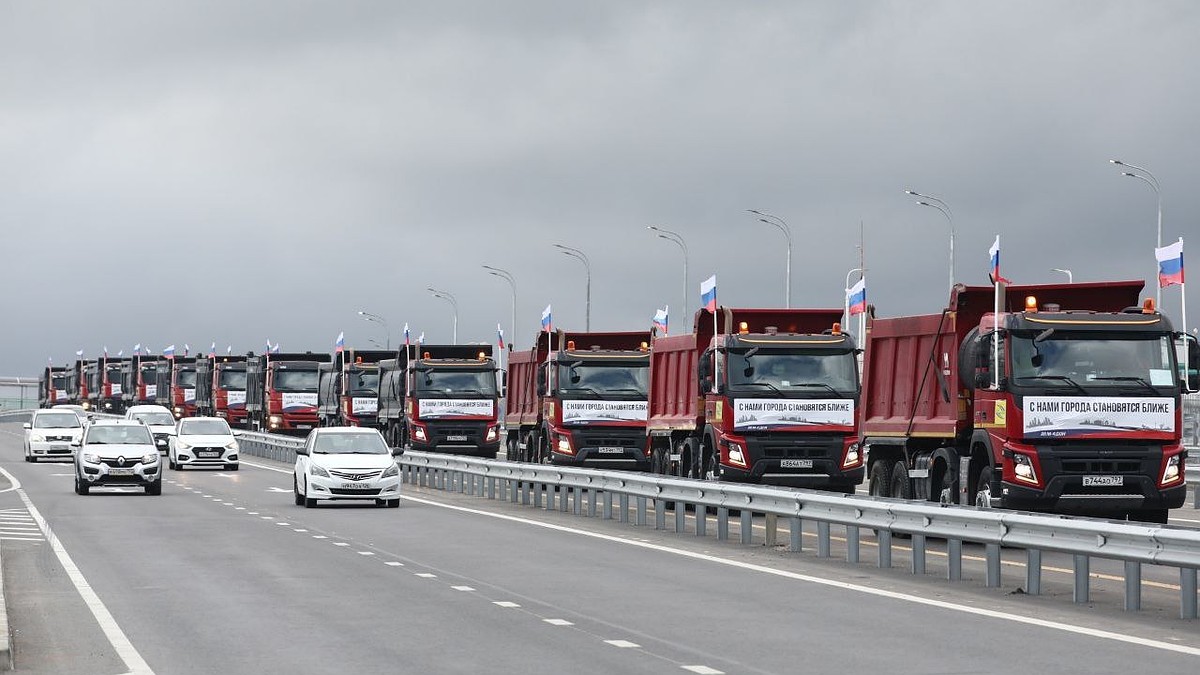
x: 118, y: 423
x: 52, y: 411
x: 65, y: 406
x: 146, y: 408
x: 344, y: 430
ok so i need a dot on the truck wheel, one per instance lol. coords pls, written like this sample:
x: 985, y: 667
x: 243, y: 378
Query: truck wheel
x: 511, y: 448
x: 880, y: 482
x: 983, y: 488
x: 687, y: 458
x: 901, y: 485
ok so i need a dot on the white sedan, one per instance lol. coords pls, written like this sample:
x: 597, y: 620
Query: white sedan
x: 203, y: 441
x: 346, y: 463
x: 51, y: 433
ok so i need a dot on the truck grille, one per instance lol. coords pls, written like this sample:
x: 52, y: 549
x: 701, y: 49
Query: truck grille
x: 1101, y: 466
x: 796, y: 447
x: 610, y: 438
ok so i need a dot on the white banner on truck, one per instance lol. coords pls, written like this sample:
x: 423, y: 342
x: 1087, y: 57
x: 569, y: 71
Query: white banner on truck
x: 60, y: 394
x: 115, y: 388
x: 428, y: 408
x: 584, y: 412
x: 189, y: 395
x: 298, y: 401
x: 236, y: 397
x: 1074, y: 416
x: 152, y: 391
x: 783, y: 412
x: 363, y: 405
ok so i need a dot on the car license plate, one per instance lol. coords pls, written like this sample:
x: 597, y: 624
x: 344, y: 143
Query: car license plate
x: 608, y: 450
x: 795, y: 463
x: 355, y: 486
x: 1103, y: 481
x: 208, y: 454
x: 457, y: 437
x: 121, y: 471
x: 59, y: 447
x: 303, y: 426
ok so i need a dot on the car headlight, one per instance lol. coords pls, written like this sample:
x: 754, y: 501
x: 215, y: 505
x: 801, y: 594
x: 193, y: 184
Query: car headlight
x: 37, y: 438
x: 150, y: 457
x: 231, y: 445
x: 317, y: 470
x: 183, y: 445
x: 393, y: 470
x: 91, y: 458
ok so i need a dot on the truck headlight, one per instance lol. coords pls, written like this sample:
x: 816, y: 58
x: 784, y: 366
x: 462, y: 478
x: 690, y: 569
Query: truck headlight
x: 317, y: 470
x: 275, y: 421
x: 492, y: 434
x: 564, y: 444
x: 1023, y: 468
x: 419, y: 434
x: 1171, y: 473
x: 853, y: 457
x: 737, y: 455
x: 393, y: 470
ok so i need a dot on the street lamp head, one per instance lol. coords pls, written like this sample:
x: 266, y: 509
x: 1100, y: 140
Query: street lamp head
x: 755, y: 212
x: 1131, y: 175
x: 925, y: 204
x: 910, y: 192
x: 1117, y: 162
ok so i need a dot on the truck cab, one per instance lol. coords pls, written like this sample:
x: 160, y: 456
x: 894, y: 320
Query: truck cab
x: 182, y: 387
x: 451, y: 400
x: 350, y: 388
x: 139, y: 381
x: 224, y: 393
x: 281, y: 391
x: 52, y: 386
x: 105, y: 386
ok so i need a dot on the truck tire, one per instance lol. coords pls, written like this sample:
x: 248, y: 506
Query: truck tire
x: 687, y: 458
x: 901, y: 485
x: 511, y: 448
x: 983, y: 489
x: 880, y: 482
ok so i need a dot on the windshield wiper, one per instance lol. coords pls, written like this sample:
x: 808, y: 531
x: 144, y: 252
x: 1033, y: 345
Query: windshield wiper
x: 587, y: 389
x: 1128, y: 378
x: 764, y: 384
x: 1057, y: 378
x: 818, y: 384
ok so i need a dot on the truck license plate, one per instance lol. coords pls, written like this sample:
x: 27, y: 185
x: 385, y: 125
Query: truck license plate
x: 458, y: 437
x: 1103, y: 481
x: 609, y: 450
x: 795, y: 463
x: 119, y: 471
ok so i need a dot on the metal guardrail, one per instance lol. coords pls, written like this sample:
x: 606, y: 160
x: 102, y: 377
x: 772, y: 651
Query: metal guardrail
x: 613, y: 494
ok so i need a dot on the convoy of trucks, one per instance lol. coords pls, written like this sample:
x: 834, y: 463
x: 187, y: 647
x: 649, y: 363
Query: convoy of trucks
x: 580, y: 399
x: 1068, y: 400
x: 281, y: 391
x: 758, y: 395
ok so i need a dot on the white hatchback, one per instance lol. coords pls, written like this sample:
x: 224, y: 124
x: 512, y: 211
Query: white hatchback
x: 346, y: 463
x: 51, y: 433
x: 203, y: 441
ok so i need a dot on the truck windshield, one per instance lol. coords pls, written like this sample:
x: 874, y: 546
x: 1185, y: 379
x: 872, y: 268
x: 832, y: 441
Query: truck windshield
x: 479, y: 383
x: 186, y: 378
x: 805, y: 374
x: 363, y: 382
x: 60, y: 381
x: 295, y: 380
x: 617, y: 380
x: 232, y: 379
x: 1087, y: 360
x: 149, y: 373
x: 114, y: 373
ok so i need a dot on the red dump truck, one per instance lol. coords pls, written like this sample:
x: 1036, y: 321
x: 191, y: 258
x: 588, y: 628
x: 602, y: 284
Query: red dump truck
x: 281, y: 391
x: 104, y: 385
x: 1082, y: 414
x: 450, y: 400
x: 349, y: 386
x: 52, y: 386
x: 764, y: 396
x: 181, y: 386
x: 580, y: 399
x: 223, y: 393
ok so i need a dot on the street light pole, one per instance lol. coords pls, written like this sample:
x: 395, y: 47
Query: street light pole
x: 587, y: 265
x: 1070, y: 277
x: 445, y: 295
x: 1150, y: 180
x: 512, y: 284
x: 678, y: 240
x: 782, y: 225
x: 381, y: 321
x: 944, y: 208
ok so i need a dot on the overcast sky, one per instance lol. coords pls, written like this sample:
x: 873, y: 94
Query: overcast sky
x: 241, y: 171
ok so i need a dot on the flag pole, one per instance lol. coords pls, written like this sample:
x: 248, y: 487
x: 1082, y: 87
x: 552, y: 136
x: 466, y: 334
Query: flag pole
x: 996, y: 282
x: 1183, y: 293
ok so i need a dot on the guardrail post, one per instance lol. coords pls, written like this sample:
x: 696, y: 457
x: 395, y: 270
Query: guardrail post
x: 918, y: 554
x: 606, y: 505
x: 591, y: 493
x: 852, y: 543
x: 992, y: 552
x: 1133, y: 586
x: 954, y: 556
x: 564, y: 497
x: 796, y: 534
x: 747, y: 526
x: 1187, y: 592
x: 771, y: 523
x: 722, y: 523
x: 578, y: 492
x: 660, y: 513
x: 491, y: 487
x: 680, y: 516
x: 822, y: 539
x: 1033, y: 572
x: 701, y: 520
x: 525, y: 490
x: 623, y: 504
x: 884, y: 538
x: 641, y: 511
x: 549, y: 494
x: 1082, y: 577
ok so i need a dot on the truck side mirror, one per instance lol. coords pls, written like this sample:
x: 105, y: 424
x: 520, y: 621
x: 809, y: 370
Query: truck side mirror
x: 1191, y: 378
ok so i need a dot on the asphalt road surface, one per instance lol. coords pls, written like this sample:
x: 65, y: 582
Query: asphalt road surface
x: 223, y: 574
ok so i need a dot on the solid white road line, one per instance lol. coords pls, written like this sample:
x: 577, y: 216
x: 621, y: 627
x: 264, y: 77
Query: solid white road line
x: 116, y: 637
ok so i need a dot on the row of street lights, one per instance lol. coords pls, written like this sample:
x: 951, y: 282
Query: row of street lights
x: 930, y: 201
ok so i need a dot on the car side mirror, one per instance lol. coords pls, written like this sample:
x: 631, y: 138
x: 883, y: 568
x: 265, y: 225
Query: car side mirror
x: 396, y: 452
x: 76, y: 444
x: 27, y: 425
x: 301, y: 451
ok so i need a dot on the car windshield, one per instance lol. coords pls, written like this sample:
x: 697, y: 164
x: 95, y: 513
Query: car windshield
x: 125, y: 434
x: 63, y: 420
x: 186, y: 378
x: 232, y: 379
x: 155, y: 418
x: 363, y: 382
x: 804, y: 374
x: 456, y: 382
x: 204, y: 428
x: 1087, y: 359
x: 604, y: 379
x: 295, y: 380
x: 349, y: 444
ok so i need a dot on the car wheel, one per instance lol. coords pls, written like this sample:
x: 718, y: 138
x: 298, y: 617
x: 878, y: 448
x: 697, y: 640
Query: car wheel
x: 81, y: 487
x: 171, y: 464
x: 309, y: 502
x: 154, y: 488
x: 296, y: 492
x: 381, y: 503
x: 393, y: 503
x: 231, y: 467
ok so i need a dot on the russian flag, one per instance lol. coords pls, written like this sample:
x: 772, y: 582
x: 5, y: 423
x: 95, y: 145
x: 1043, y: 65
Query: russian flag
x: 212, y: 351
x: 340, y: 344
x: 500, y: 336
x: 1170, y: 264
x: 994, y: 254
x: 186, y: 348
x: 275, y: 349
x: 137, y: 349
x: 661, y: 320
x: 547, y: 322
x: 857, y: 297
x: 268, y: 345
x: 708, y: 293
x: 169, y: 351
x: 79, y: 352
x: 229, y: 349
x: 421, y: 339
x: 405, y: 333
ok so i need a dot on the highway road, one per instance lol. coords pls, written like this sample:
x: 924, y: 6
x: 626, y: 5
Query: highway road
x: 222, y: 573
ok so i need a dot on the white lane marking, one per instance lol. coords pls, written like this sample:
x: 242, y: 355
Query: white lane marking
x: 426, y: 575
x: 275, y: 489
x: 703, y: 670
x: 241, y: 508
x: 366, y: 553
x: 226, y: 503
x: 464, y: 589
x: 116, y: 637
x: 299, y: 529
x: 265, y: 517
x: 8, y: 538
x: 206, y: 496
x: 623, y: 644
x: 558, y: 622
x: 319, y: 536
x: 393, y: 563
x: 252, y: 513
x: 505, y: 604
x: 891, y: 595
x: 340, y: 543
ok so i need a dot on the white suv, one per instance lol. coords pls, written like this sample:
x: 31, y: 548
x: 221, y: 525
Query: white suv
x: 159, y: 419
x: 50, y: 434
x: 339, y: 463
x: 117, y: 452
x: 203, y: 441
